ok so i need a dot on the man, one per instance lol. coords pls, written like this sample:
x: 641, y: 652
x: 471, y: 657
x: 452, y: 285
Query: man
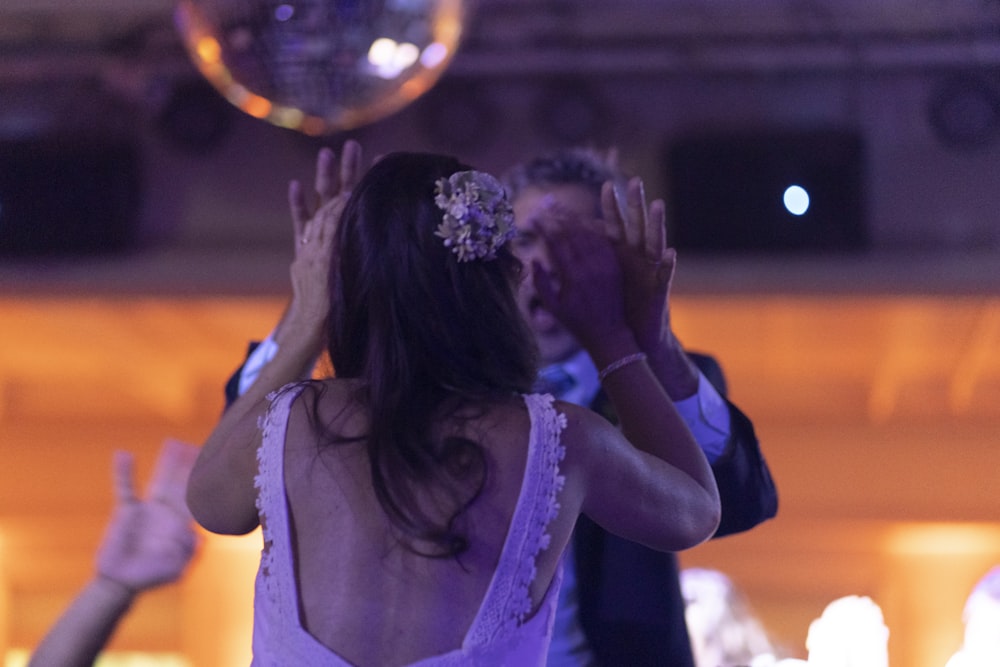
x: 621, y: 603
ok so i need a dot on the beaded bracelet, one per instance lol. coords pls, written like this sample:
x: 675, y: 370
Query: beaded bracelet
x: 624, y: 361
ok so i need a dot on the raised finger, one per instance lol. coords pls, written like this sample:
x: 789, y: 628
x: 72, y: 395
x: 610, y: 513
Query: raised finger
x: 298, y: 208
x: 667, y: 266
x: 656, y: 231
x: 611, y: 212
x: 327, y: 220
x: 327, y: 184
x: 123, y: 465
x: 350, y: 165
x: 635, y: 212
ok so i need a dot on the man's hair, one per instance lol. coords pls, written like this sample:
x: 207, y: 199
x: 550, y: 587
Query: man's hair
x: 569, y: 166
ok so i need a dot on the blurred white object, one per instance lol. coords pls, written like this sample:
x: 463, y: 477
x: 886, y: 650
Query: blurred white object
x: 981, y: 647
x: 721, y: 624
x: 850, y: 633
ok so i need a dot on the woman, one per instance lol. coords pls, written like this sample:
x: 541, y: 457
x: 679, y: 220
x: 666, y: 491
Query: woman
x: 416, y: 506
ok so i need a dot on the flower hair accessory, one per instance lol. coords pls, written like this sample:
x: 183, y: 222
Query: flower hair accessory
x: 478, y: 219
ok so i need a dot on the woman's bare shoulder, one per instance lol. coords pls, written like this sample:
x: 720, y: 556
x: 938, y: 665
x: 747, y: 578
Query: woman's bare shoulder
x: 582, y: 422
x: 335, y: 402
x: 588, y: 437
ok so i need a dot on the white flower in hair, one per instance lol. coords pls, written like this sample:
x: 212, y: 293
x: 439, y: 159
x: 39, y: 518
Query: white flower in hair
x: 478, y: 219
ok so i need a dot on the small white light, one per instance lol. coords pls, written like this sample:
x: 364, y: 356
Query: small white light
x: 381, y: 52
x: 433, y: 54
x: 406, y: 54
x: 796, y: 200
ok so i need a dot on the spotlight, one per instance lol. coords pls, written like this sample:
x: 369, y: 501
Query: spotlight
x: 796, y: 199
x: 768, y: 191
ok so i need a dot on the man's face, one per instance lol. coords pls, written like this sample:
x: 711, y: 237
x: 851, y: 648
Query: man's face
x: 555, y: 343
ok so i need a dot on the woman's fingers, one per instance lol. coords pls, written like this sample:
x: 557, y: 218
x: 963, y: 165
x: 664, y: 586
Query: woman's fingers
x: 324, y: 224
x: 334, y: 179
x: 624, y: 213
x: 298, y: 207
x: 327, y: 181
x: 611, y: 213
x: 656, y: 231
x: 350, y: 165
x: 632, y: 222
x: 635, y: 213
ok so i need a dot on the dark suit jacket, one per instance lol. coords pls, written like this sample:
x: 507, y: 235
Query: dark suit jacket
x: 631, y: 607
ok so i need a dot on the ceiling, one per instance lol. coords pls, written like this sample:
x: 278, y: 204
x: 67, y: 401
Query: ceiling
x: 713, y: 34
x: 130, y: 50
x: 516, y: 35
x: 129, y: 45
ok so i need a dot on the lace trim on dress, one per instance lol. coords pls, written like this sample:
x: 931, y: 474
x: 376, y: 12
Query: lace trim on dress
x: 269, y: 485
x: 508, y: 602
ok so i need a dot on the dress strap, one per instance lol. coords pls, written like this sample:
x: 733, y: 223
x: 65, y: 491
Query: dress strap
x: 508, y: 599
x: 276, y: 568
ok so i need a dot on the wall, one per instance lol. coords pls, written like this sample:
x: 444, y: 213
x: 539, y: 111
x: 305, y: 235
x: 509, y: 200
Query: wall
x: 921, y: 194
x: 878, y: 416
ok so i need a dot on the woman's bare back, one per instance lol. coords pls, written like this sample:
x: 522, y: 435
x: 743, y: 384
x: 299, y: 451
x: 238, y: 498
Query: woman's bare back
x: 362, y: 593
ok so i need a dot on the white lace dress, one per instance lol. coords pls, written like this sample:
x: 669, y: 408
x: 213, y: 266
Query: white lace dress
x: 502, y: 633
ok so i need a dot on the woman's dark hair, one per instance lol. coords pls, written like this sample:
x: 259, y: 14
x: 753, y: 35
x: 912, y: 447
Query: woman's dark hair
x: 427, y: 336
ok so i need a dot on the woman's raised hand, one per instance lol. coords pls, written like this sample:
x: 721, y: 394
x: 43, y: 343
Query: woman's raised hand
x: 315, y: 224
x: 581, y: 284
x: 638, y: 233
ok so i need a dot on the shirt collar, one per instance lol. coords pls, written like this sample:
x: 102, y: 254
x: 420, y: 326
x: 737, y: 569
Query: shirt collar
x: 582, y: 369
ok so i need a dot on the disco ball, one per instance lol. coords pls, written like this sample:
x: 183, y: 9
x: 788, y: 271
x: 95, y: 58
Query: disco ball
x: 321, y: 66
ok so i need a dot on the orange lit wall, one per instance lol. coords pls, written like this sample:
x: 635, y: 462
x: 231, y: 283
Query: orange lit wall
x: 879, y: 416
